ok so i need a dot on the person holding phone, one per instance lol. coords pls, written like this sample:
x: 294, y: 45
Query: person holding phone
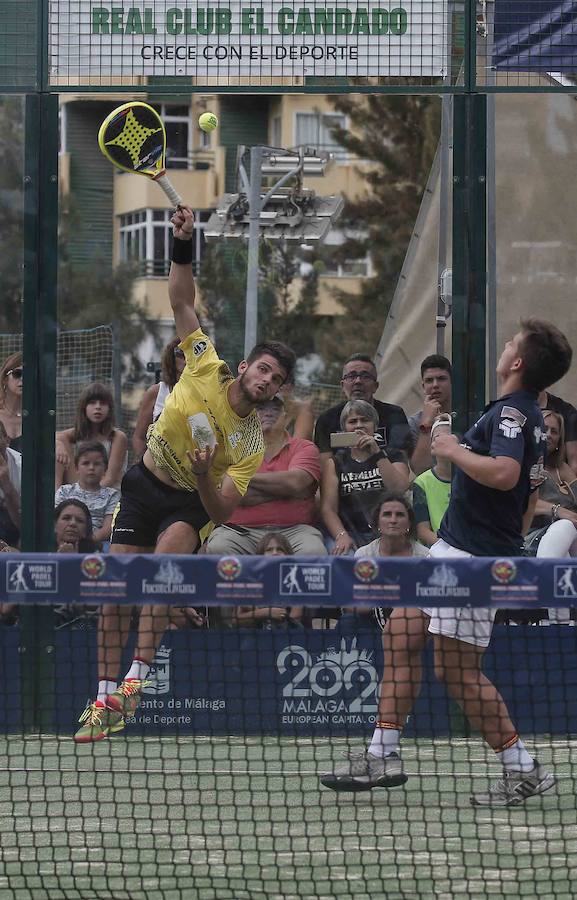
x: 358, y: 471
x: 360, y: 382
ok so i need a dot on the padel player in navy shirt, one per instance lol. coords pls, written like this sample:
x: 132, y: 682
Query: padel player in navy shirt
x: 488, y: 522
x: 495, y: 465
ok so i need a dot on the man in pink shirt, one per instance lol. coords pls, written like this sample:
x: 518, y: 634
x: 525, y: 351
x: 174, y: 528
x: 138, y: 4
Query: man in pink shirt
x: 281, y: 495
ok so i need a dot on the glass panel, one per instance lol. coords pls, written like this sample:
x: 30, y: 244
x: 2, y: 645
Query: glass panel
x: 533, y: 229
x: 176, y: 145
x: 171, y: 109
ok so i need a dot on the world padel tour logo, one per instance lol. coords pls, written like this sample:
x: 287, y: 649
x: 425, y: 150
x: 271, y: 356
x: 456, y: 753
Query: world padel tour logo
x: 93, y: 566
x: 31, y: 577
x: 229, y: 568
x: 366, y: 569
x: 304, y: 578
x: 504, y: 571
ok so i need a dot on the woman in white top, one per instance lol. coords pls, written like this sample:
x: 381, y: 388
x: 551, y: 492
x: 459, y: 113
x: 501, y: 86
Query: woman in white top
x: 394, y: 520
x: 172, y: 365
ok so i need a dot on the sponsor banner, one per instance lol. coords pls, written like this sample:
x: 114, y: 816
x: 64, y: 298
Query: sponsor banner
x: 300, y: 683
x: 238, y: 581
x: 509, y: 588
x: 231, y: 39
x: 280, y: 581
x: 94, y: 581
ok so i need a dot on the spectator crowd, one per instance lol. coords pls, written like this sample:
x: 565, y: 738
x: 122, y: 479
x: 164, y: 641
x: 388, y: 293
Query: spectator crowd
x: 360, y: 480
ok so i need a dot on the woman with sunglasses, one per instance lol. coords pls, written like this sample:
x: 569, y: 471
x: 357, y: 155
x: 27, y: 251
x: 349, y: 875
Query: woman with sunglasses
x: 558, y: 492
x: 172, y: 365
x: 554, y: 533
x: 11, y: 399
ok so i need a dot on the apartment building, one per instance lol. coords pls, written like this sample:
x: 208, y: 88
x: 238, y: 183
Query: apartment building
x: 128, y: 216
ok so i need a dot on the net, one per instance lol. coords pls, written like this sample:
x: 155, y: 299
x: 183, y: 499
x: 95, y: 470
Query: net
x: 84, y: 355
x: 212, y: 790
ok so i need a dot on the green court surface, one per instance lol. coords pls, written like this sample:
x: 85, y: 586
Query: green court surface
x: 245, y: 818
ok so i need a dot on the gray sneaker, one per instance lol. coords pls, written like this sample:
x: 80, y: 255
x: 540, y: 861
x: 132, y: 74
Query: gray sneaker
x: 365, y: 771
x: 515, y: 787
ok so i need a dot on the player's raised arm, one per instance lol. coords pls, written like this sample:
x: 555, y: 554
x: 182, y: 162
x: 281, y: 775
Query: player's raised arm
x: 181, y: 289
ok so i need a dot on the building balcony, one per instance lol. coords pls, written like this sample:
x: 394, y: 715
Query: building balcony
x: 199, y: 185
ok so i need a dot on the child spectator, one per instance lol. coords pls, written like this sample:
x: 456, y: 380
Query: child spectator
x: 431, y: 495
x: 94, y: 422
x: 91, y: 461
x: 269, y: 618
x: 172, y: 366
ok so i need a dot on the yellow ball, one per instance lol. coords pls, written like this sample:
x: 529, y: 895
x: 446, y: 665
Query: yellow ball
x: 207, y: 121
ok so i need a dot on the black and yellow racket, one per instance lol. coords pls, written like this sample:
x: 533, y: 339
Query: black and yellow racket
x: 133, y: 138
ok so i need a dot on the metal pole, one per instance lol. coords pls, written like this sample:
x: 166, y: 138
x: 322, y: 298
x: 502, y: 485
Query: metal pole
x: 491, y: 215
x: 39, y: 402
x: 251, y: 312
x: 40, y: 320
x: 469, y: 256
x: 444, y: 175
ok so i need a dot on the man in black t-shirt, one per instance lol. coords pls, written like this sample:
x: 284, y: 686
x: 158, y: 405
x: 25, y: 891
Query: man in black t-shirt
x: 359, y: 382
x: 497, y: 469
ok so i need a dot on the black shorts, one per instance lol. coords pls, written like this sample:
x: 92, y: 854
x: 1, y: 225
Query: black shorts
x: 148, y: 506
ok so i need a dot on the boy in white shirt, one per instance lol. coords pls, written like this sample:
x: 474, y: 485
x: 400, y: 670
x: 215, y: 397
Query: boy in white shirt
x: 91, y: 461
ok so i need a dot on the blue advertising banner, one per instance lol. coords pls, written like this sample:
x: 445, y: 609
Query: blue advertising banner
x: 540, y: 36
x: 301, y: 682
x: 282, y: 581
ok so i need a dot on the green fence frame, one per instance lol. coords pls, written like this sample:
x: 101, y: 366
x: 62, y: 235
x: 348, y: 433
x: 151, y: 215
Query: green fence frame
x: 24, y: 70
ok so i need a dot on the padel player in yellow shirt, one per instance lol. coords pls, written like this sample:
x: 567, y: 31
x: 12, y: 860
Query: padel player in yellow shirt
x: 201, y: 454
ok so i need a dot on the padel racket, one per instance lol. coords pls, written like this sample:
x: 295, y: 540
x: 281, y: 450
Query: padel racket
x: 133, y: 138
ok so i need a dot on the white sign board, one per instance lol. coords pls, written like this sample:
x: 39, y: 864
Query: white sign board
x: 231, y: 39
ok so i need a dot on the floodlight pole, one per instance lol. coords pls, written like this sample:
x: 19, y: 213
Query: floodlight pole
x: 254, y: 199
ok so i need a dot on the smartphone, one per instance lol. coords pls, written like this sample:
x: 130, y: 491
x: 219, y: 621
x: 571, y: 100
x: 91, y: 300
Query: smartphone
x: 344, y: 439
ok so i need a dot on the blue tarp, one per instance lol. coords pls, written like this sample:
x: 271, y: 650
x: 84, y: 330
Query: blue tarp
x: 538, y: 36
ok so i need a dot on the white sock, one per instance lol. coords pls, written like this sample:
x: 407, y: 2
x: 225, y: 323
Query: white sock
x: 384, y: 742
x: 516, y: 758
x: 105, y: 688
x: 138, y: 670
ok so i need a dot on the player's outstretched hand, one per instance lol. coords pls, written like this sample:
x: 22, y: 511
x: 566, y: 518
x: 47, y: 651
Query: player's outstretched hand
x: 183, y: 223
x: 201, y: 460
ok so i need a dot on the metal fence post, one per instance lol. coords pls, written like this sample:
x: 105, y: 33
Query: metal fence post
x: 469, y: 255
x: 39, y: 402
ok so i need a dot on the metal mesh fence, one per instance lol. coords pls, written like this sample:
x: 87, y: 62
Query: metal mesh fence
x: 84, y: 355
x: 235, y: 45
x: 415, y: 45
x: 19, y: 36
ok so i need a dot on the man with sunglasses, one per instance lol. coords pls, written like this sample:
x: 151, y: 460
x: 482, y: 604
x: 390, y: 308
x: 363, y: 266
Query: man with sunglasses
x: 359, y: 382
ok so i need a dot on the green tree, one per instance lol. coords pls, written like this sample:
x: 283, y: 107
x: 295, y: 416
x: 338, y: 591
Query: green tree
x: 11, y: 212
x: 88, y: 295
x: 287, y: 297
x: 397, y: 136
x: 98, y: 293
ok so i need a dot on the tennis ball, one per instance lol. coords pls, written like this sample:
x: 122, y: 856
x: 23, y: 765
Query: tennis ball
x: 207, y: 121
